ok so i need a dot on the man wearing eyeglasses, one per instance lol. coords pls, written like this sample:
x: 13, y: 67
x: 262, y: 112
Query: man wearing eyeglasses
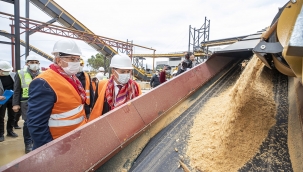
x: 56, y: 97
x: 22, y: 80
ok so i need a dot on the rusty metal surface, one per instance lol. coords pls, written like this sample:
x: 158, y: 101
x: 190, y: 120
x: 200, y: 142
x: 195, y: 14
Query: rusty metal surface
x: 125, y: 122
x: 90, y: 145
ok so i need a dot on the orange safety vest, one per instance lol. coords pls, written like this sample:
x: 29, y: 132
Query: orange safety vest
x: 98, y: 108
x: 101, y: 84
x: 68, y: 111
x: 87, y: 88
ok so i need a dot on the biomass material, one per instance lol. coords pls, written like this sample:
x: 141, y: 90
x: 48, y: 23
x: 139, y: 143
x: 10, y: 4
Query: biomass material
x: 230, y: 128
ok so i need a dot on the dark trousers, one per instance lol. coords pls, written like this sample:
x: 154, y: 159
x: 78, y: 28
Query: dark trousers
x: 17, y: 118
x: 11, y: 117
x: 26, y: 136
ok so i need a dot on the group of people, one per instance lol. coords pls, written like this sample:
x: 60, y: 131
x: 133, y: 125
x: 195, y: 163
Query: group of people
x: 64, y: 97
x: 160, y: 77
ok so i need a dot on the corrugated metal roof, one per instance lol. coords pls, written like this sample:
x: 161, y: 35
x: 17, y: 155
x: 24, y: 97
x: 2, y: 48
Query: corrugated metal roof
x: 246, y: 44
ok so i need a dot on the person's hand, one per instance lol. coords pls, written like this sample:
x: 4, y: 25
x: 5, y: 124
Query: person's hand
x: 16, y: 108
x: 2, y: 97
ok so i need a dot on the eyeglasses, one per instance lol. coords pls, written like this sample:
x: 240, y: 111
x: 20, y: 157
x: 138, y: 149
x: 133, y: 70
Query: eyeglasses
x: 72, y: 58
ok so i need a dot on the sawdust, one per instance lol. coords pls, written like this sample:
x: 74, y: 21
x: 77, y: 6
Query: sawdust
x: 230, y: 128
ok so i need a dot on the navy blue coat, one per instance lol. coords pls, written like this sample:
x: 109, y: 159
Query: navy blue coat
x: 40, y: 104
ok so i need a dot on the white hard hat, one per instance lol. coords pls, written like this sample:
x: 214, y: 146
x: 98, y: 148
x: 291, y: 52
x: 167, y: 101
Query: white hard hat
x: 99, y: 76
x: 66, y: 46
x: 101, y: 69
x: 121, y: 61
x: 32, y: 57
x: 5, y: 66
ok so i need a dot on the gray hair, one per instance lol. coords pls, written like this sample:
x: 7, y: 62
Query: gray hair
x: 56, y: 56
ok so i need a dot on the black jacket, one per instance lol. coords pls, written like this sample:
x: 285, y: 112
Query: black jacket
x: 81, y: 77
x: 18, y: 91
x: 185, y: 64
x: 155, y: 81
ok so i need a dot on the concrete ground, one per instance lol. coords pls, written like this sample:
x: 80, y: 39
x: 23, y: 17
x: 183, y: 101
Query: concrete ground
x: 12, y: 148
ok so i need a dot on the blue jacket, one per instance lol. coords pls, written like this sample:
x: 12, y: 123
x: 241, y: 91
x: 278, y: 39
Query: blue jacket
x: 40, y: 104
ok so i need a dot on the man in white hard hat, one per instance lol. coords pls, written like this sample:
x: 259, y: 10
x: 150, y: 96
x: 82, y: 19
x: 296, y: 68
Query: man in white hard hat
x: 101, y: 69
x: 6, y: 83
x: 56, y: 97
x: 100, y: 75
x: 118, y: 90
x: 20, y: 97
x: 86, y: 82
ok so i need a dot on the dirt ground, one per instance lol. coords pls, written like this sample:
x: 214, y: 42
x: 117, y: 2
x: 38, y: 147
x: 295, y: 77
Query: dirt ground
x: 12, y: 148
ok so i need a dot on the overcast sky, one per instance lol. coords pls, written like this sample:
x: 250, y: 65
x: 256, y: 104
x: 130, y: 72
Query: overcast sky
x: 160, y: 24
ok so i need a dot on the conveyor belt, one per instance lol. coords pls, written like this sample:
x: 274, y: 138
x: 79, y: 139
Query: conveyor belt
x: 31, y: 47
x: 54, y: 10
x: 105, y: 139
x: 160, y: 154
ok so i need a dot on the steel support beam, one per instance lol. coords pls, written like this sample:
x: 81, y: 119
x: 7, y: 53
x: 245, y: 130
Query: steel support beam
x: 17, y: 36
x: 5, y: 42
x: 27, y: 29
x: 9, y: 1
x: 76, y: 34
x: 8, y: 35
x: 13, y: 45
x: 32, y: 31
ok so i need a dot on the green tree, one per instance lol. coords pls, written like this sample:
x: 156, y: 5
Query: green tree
x: 98, y: 60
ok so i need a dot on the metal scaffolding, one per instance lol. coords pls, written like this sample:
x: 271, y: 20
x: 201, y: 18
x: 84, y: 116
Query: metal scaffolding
x: 197, y: 39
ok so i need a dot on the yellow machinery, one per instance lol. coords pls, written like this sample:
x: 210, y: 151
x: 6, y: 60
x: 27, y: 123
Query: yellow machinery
x: 281, y: 46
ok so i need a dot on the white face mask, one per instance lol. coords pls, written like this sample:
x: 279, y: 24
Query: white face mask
x: 4, y: 73
x: 72, y: 68
x: 34, y: 67
x: 123, y: 78
x: 81, y: 69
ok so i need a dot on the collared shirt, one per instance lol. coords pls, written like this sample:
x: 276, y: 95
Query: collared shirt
x: 116, y: 89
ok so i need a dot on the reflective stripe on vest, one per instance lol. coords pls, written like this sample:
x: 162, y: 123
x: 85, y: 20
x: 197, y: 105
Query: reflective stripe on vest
x: 67, y: 114
x: 87, y: 88
x: 64, y: 123
x: 25, y: 79
x: 57, y: 120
